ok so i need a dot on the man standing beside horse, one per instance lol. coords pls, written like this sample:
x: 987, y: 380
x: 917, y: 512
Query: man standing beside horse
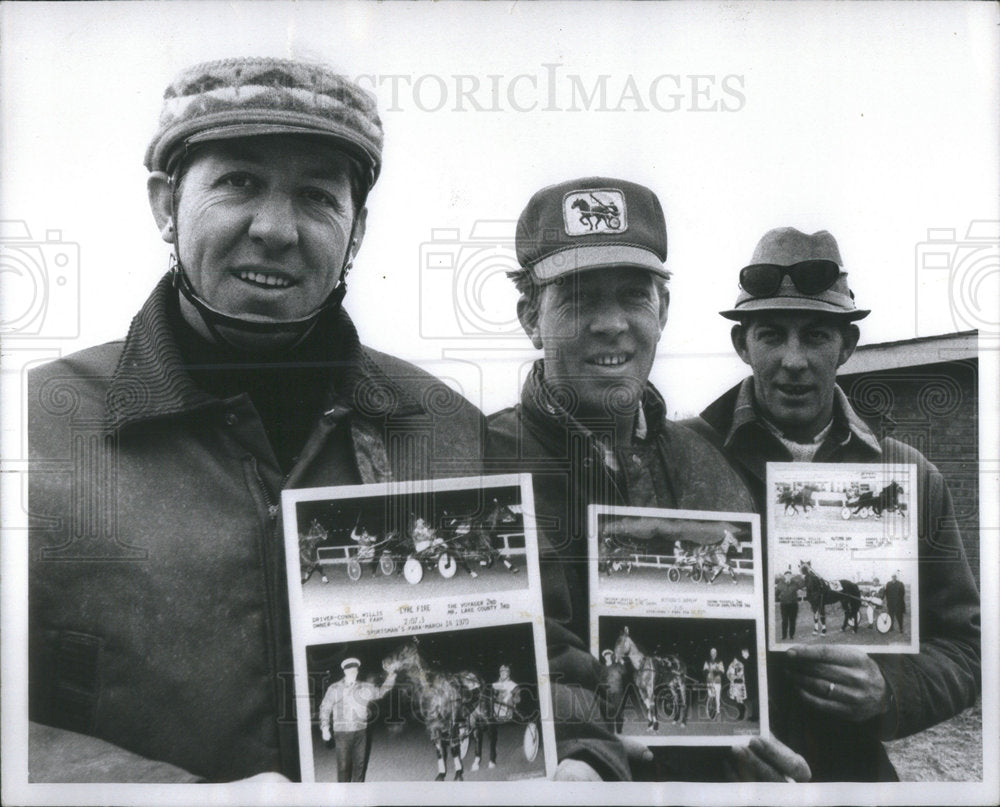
x: 895, y: 602
x: 795, y: 327
x: 345, y: 712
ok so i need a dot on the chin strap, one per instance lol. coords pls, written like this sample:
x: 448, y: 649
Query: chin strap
x: 215, y: 319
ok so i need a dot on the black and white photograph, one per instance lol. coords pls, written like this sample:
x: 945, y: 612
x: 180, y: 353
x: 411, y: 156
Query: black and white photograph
x: 363, y: 545
x: 675, y: 680
x: 669, y: 554
x: 451, y: 706
x: 337, y: 329
x: 842, y: 547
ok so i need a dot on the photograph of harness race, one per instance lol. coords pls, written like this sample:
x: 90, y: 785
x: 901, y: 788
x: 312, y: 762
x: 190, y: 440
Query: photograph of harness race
x: 880, y: 499
x: 682, y: 680
x: 457, y: 705
x: 654, y: 553
x: 426, y: 541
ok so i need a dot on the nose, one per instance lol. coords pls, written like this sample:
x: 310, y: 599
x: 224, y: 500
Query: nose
x: 608, y: 319
x: 273, y: 223
x: 793, y: 357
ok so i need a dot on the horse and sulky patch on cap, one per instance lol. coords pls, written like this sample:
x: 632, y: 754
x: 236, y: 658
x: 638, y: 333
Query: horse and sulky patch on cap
x: 243, y: 97
x: 793, y: 271
x: 591, y: 223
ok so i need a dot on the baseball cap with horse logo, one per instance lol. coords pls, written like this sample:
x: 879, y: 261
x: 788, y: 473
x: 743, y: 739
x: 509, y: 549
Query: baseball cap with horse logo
x: 591, y: 223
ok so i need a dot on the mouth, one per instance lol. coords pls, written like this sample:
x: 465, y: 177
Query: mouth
x: 794, y: 390
x: 609, y: 359
x: 264, y: 280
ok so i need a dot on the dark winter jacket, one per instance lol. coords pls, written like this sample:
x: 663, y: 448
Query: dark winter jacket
x: 669, y: 467
x: 158, y: 605
x: 926, y: 688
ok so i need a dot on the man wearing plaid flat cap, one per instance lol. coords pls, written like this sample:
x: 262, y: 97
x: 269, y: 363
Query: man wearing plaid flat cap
x: 833, y: 705
x: 159, y: 640
x: 589, y: 425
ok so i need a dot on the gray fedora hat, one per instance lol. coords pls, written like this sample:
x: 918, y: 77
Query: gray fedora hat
x: 785, y: 247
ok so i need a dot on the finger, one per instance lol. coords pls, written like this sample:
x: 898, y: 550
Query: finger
x: 574, y: 770
x: 636, y: 750
x: 829, y: 654
x: 820, y: 688
x: 751, y: 768
x: 835, y: 708
x: 781, y: 757
x: 841, y: 676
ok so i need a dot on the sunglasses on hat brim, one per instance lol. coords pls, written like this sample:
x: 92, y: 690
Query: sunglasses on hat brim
x: 809, y: 277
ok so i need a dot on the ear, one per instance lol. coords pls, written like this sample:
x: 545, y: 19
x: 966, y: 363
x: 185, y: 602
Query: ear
x: 360, y: 228
x: 664, y: 306
x: 528, y: 315
x: 738, y: 336
x: 851, y: 337
x: 160, y: 192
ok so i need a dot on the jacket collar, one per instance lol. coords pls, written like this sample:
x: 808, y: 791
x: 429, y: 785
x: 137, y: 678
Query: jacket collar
x: 735, y: 413
x: 541, y: 407
x: 150, y: 380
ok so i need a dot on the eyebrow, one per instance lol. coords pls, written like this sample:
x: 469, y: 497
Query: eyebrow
x: 333, y: 168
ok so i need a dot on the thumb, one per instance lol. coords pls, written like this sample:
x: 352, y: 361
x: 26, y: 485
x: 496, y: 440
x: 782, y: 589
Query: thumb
x: 636, y: 750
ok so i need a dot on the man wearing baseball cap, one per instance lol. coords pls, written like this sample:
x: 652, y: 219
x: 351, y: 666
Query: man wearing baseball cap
x: 795, y: 318
x: 159, y: 625
x: 589, y: 425
x: 343, y: 718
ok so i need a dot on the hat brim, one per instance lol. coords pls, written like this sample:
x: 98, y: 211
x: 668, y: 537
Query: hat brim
x: 596, y: 256
x: 172, y: 143
x: 793, y: 304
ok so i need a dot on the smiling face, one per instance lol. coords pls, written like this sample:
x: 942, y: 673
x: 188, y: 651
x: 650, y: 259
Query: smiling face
x: 264, y: 225
x: 598, y: 330
x: 795, y: 356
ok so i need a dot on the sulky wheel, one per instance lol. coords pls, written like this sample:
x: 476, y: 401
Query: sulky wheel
x: 530, y: 742
x: 463, y: 747
x: 711, y: 708
x: 386, y: 564
x: 614, y: 223
x: 696, y: 574
x: 447, y: 565
x: 845, y: 513
x: 354, y: 570
x: 413, y: 570
x: 673, y: 574
x: 883, y: 623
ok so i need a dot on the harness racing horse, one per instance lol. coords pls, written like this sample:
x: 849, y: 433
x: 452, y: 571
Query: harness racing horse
x: 819, y: 593
x: 648, y: 672
x: 717, y: 555
x: 613, y: 688
x: 794, y: 499
x: 474, y: 542
x: 887, y: 500
x: 600, y: 212
x: 309, y: 551
x: 449, y: 704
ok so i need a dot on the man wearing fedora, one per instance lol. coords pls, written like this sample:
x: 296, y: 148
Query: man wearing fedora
x: 795, y: 318
x: 159, y: 628
x: 589, y: 426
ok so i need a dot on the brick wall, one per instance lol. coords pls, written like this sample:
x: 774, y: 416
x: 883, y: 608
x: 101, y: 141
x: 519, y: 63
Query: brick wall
x: 935, y: 409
